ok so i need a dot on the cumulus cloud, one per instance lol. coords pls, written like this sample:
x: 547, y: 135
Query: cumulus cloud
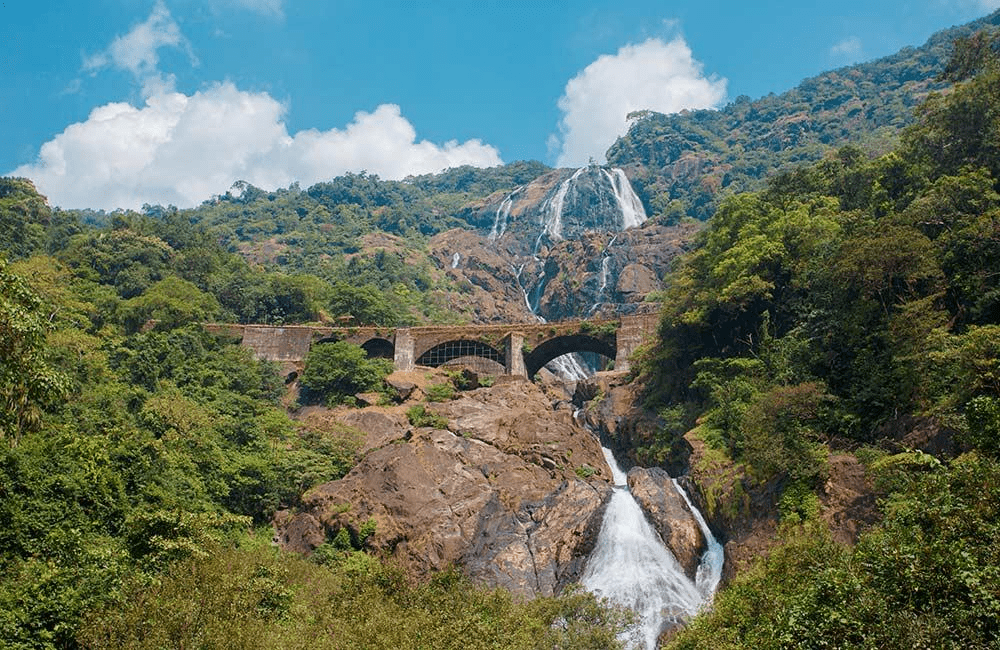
x: 179, y: 149
x: 848, y: 49
x: 655, y: 75
x: 138, y: 50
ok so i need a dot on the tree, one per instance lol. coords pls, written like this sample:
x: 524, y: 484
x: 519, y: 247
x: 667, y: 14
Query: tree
x: 335, y: 371
x: 23, y: 217
x: 26, y: 381
x: 171, y: 302
x: 365, y: 304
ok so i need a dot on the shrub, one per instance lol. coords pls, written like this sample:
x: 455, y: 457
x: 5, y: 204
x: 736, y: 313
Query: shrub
x: 336, y: 371
x: 440, y: 392
x: 419, y: 416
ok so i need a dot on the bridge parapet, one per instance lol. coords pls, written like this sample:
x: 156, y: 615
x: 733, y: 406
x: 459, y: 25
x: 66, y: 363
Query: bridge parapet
x: 521, y: 348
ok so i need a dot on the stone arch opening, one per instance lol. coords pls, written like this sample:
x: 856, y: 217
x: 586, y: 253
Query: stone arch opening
x: 379, y: 348
x: 449, y: 350
x: 560, y: 345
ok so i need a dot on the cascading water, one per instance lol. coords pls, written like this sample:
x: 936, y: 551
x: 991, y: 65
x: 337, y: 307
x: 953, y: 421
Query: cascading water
x: 552, y: 209
x: 503, y: 213
x: 605, y: 262
x: 710, y: 569
x: 633, y: 214
x: 631, y: 567
x: 455, y: 259
x: 551, y: 213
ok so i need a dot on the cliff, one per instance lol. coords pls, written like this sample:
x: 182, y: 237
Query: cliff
x: 506, y: 485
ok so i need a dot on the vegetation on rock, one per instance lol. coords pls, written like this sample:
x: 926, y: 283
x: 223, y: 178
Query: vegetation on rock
x: 823, y: 312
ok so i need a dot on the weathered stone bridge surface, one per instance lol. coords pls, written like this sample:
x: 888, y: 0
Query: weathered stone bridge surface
x: 518, y: 349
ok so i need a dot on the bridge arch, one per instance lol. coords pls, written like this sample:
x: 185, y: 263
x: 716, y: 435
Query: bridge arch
x: 560, y: 345
x: 379, y: 348
x: 449, y: 350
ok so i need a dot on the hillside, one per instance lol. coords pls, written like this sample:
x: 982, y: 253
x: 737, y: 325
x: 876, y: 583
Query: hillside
x: 684, y: 164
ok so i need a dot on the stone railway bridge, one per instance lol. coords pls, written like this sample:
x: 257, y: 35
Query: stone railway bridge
x: 516, y: 349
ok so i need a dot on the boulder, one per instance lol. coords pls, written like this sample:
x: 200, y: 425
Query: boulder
x: 403, y: 389
x: 670, y: 515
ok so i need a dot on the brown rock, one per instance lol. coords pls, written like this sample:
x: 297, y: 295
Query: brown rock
x: 368, y: 399
x: 670, y: 515
x: 637, y: 280
x: 380, y: 426
x: 301, y: 533
x: 402, y: 388
x: 500, y: 497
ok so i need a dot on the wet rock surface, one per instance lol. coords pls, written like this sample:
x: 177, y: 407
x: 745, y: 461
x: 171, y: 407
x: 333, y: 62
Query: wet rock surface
x: 670, y: 515
x: 595, y: 256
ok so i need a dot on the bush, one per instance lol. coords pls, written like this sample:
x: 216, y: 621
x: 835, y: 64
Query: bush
x: 419, y: 416
x: 335, y: 371
x: 255, y: 598
x: 781, y: 432
x: 440, y: 392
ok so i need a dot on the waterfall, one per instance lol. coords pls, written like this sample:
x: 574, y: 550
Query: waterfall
x: 503, y: 213
x: 633, y: 214
x: 631, y: 567
x: 552, y: 209
x: 455, y: 259
x: 710, y: 569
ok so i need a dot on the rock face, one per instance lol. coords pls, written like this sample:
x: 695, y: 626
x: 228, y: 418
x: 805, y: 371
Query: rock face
x: 612, y: 408
x: 670, y: 515
x: 572, y: 243
x: 500, y: 492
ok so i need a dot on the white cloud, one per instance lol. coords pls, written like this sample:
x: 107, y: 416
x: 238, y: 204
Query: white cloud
x: 265, y: 7
x: 984, y: 5
x: 655, y: 75
x: 849, y: 48
x: 138, y: 50
x: 181, y: 150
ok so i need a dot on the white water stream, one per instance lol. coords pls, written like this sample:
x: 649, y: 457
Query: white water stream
x: 633, y: 214
x: 631, y: 567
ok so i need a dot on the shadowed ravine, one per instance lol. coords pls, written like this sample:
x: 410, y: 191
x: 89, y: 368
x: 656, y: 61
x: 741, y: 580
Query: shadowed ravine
x: 630, y: 566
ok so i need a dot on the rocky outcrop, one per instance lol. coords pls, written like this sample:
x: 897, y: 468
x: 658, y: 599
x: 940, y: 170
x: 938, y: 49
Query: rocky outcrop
x: 612, y: 406
x: 670, y: 515
x: 512, y: 490
x: 594, y: 256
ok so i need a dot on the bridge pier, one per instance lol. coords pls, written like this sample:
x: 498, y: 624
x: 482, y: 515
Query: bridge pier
x: 514, y: 355
x: 633, y: 332
x: 403, y: 360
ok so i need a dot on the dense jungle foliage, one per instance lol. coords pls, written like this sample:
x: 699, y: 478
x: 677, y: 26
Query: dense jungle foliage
x: 686, y: 163
x: 827, y: 311
x: 139, y: 453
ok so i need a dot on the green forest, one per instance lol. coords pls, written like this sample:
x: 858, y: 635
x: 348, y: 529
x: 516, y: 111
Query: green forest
x: 845, y: 302
x: 141, y: 458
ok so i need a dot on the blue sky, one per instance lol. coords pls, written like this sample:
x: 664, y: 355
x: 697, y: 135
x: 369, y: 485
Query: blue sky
x: 116, y: 103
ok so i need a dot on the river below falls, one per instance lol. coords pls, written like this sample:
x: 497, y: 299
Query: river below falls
x: 630, y: 566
